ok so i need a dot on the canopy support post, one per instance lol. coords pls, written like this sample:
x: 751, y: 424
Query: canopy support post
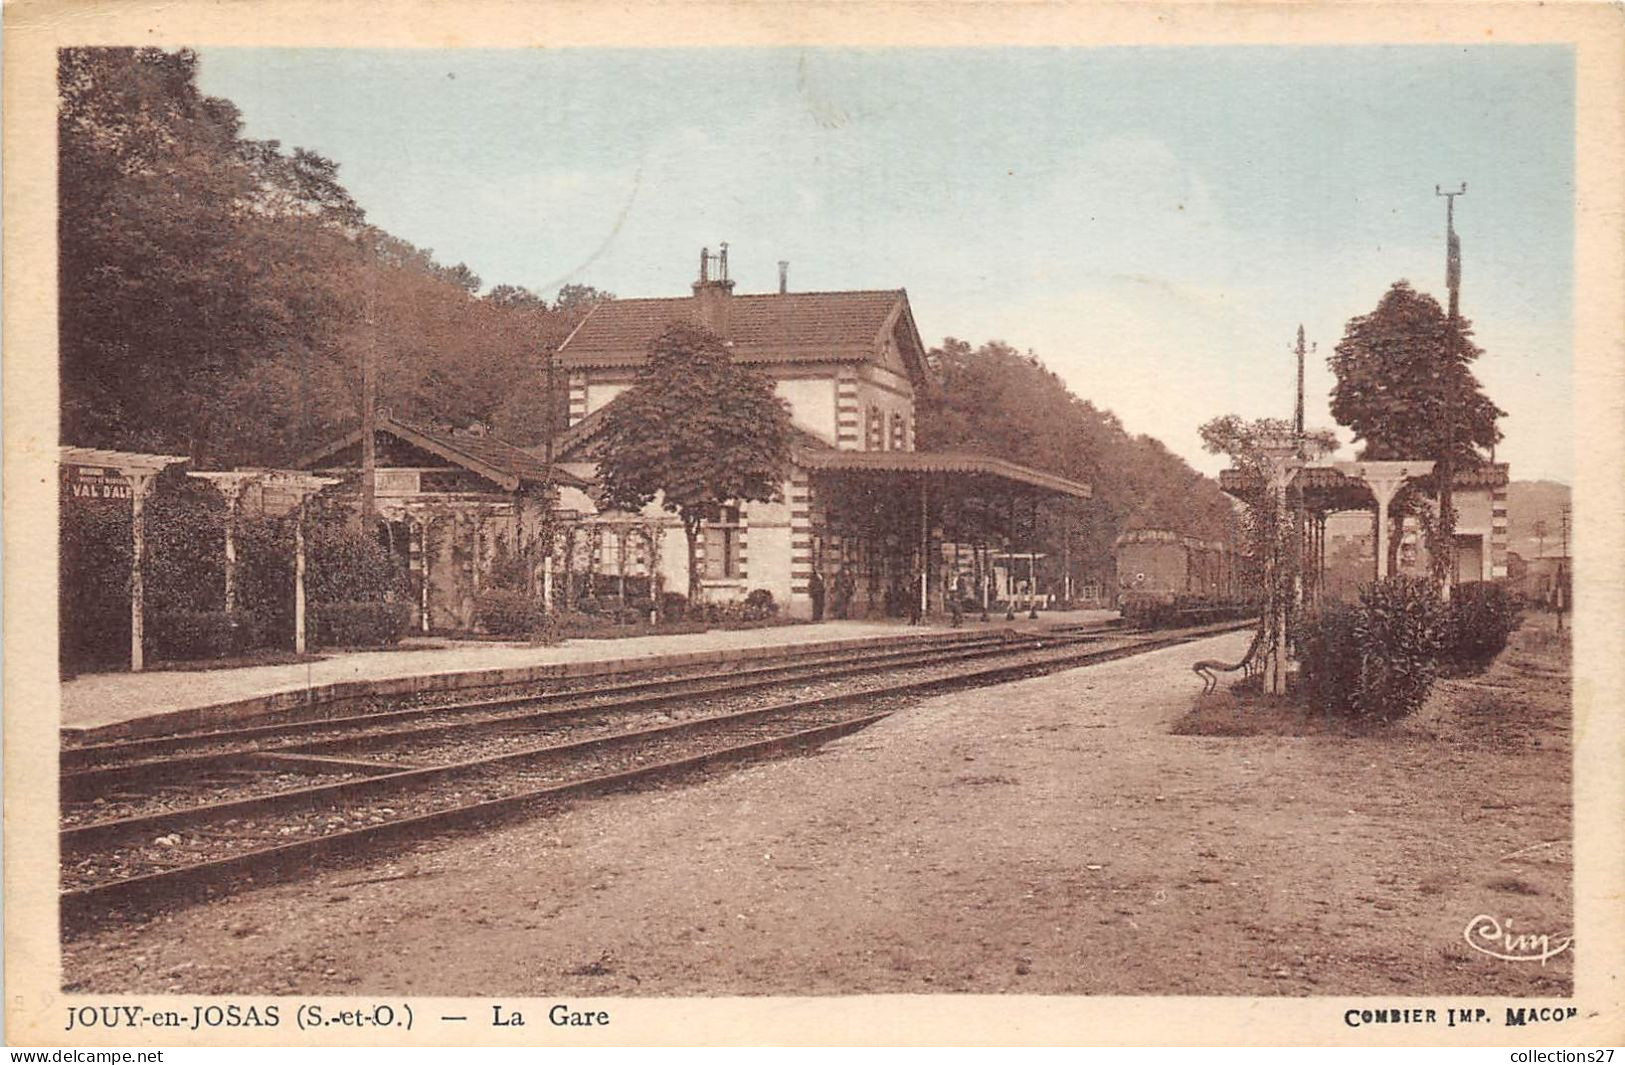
x: 139, y: 484
x: 925, y: 549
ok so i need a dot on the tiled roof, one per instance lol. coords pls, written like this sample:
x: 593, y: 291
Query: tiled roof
x: 488, y: 456
x: 568, y: 443
x: 1331, y: 480
x: 788, y: 327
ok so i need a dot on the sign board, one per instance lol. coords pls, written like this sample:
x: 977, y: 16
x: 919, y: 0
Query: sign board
x: 94, y: 482
x: 394, y: 482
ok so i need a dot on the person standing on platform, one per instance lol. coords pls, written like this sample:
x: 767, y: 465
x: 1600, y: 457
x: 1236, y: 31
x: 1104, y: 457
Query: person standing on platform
x: 912, y: 594
x: 845, y: 589
x: 815, y: 590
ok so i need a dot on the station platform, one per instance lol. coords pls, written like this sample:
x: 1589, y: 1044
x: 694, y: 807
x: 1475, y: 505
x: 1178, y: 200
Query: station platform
x: 106, y: 706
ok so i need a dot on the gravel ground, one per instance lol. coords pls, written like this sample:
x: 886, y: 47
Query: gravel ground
x: 1047, y: 836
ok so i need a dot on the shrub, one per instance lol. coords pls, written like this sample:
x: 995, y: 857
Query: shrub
x: 1398, y: 631
x: 265, y: 572
x: 1481, y: 617
x: 759, y: 603
x: 502, y: 612
x: 93, y: 585
x: 345, y: 566
x: 673, y: 606
x: 1329, y: 656
x: 508, y: 570
x: 181, y: 635
x: 366, y: 624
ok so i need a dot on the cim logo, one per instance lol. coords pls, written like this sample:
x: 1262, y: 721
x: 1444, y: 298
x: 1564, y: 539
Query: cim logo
x: 1488, y: 936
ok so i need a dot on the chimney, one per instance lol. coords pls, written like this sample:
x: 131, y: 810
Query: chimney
x: 712, y: 297
x: 784, y: 276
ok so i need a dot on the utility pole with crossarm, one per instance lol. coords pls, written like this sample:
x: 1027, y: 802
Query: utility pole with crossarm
x: 1445, y: 568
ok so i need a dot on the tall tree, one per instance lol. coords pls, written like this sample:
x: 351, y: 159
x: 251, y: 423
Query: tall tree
x: 212, y: 285
x: 696, y: 430
x: 1406, y: 388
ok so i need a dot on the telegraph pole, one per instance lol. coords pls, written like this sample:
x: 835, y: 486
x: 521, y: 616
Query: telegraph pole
x: 550, y: 428
x: 369, y: 387
x: 1564, y: 592
x: 1446, y: 469
x: 1297, y: 418
x: 1300, y: 580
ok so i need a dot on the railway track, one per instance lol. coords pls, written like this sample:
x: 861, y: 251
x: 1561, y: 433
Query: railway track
x: 384, y: 786
x: 78, y: 759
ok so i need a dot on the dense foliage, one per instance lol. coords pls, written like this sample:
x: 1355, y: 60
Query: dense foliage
x: 504, y: 612
x: 218, y: 293
x: 1483, y: 615
x: 1377, y: 660
x: 361, y: 624
x: 1404, y: 390
x: 1329, y: 657
x: 189, y: 635
x: 183, y: 579
x: 998, y: 401
x: 697, y: 431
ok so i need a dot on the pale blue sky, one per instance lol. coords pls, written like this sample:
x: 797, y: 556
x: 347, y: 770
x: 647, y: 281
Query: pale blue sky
x: 1154, y: 223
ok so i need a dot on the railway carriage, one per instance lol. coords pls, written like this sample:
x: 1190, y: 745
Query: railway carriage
x: 1161, y: 573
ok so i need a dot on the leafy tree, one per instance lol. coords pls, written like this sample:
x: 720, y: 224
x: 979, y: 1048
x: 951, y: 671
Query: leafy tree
x: 1405, y: 386
x: 577, y: 300
x: 218, y: 293
x: 698, y: 431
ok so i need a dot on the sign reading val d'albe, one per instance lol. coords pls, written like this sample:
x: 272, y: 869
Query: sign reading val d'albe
x: 94, y: 482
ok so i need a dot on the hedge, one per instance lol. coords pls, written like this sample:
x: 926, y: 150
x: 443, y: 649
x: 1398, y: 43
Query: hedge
x: 1377, y: 660
x: 1329, y: 657
x: 1482, y: 616
x: 184, y: 635
x: 502, y: 612
x: 365, y: 624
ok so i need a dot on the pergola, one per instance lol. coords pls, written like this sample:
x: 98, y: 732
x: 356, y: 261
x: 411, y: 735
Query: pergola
x: 964, y: 498
x: 93, y: 473
x: 1290, y: 481
x: 297, y: 483
x: 1342, y: 486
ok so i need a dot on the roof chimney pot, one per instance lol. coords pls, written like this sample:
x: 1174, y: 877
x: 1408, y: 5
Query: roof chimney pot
x: 784, y: 276
x: 713, y: 295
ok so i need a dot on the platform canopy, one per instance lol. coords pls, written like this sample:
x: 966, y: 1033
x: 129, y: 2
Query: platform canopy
x: 971, y: 474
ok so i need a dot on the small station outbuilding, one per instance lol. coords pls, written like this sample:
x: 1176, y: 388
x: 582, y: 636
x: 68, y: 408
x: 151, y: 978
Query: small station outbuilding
x: 450, y: 507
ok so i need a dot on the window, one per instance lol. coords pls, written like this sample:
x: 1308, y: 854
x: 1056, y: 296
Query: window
x: 721, y: 538
x: 875, y: 429
x: 899, y: 431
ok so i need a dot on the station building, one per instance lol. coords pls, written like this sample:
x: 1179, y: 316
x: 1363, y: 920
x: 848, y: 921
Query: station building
x: 860, y: 505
